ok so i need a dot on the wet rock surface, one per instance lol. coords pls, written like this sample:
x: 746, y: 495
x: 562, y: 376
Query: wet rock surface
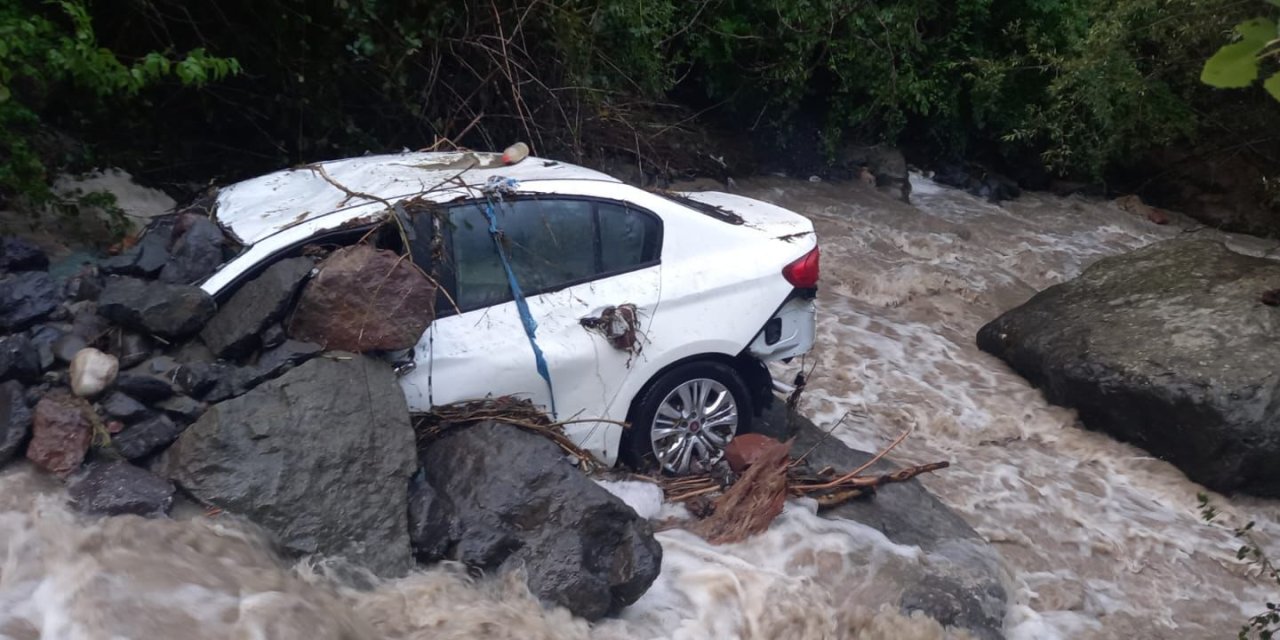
x: 117, y: 488
x: 521, y: 504
x: 963, y: 586
x: 26, y: 298
x: 167, y: 310
x: 433, y: 521
x: 1170, y: 348
x: 143, y: 260
x: 364, y: 299
x: 15, y: 420
x: 19, y: 358
x: 119, y: 405
x: 234, y: 330
x: 321, y: 457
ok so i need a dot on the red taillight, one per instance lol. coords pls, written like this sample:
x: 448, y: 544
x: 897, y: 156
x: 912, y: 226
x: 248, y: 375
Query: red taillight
x: 803, y: 273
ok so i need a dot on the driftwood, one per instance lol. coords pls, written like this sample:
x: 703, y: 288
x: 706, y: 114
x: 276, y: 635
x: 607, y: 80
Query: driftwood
x: 747, y: 505
x: 510, y: 410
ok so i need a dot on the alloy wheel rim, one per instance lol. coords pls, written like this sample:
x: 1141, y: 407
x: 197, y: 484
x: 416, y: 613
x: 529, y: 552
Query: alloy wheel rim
x: 693, y: 425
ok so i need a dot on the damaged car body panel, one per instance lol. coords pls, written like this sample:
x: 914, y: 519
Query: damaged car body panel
x: 642, y: 308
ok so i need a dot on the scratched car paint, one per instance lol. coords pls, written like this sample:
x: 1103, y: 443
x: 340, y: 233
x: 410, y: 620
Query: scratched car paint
x: 700, y: 277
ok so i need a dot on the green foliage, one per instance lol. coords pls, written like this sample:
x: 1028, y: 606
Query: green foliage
x: 1237, y: 64
x: 45, y: 57
x: 1265, y: 625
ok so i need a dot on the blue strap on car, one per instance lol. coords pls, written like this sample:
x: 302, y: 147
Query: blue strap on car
x: 493, y: 190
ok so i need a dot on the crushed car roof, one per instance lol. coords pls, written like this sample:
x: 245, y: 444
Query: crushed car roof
x: 260, y: 207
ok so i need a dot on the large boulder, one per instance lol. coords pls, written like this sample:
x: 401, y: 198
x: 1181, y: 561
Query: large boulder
x: 15, y: 420
x: 1170, y: 348
x: 959, y: 582
x: 61, y: 432
x: 364, y: 299
x: 321, y: 457
x: 26, y: 298
x: 143, y: 260
x: 234, y: 330
x: 519, y: 503
x: 167, y: 310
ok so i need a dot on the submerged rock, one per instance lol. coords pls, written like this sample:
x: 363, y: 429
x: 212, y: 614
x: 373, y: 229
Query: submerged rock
x: 15, y: 420
x: 117, y: 488
x: 167, y: 310
x: 962, y: 585
x: 61, y: 433
x: 26, y: 298
x: 1169, y: 348
x: 521, y: 504
x: 364, y: 299
x: 321, y: 457
x: 234, y: 330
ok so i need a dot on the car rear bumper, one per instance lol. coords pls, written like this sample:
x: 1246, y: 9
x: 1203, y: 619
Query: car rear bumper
x: 790, y: 332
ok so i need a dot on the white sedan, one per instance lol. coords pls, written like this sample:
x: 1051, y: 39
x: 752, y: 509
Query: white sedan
x: 655, y: 309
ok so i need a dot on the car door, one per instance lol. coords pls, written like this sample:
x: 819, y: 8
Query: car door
x: 573, y: 258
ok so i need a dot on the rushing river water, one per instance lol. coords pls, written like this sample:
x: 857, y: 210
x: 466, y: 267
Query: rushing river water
x: 1099, y: 539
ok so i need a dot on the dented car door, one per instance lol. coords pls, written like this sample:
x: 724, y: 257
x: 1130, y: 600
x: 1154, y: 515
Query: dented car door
x: 589, y: 270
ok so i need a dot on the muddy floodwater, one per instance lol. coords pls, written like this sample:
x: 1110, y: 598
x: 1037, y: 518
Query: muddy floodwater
x: 1099, y: 539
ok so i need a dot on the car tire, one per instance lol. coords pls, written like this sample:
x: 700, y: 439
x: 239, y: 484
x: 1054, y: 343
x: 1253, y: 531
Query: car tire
x: 714, y: 381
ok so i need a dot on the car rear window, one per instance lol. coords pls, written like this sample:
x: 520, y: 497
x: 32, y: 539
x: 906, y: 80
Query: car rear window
x: 552, y: 243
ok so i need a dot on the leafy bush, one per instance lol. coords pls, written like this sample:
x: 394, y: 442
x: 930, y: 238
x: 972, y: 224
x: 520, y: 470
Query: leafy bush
x: 50, y: 58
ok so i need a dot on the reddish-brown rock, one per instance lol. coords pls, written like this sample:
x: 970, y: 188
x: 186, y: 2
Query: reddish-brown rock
x: 364, y: 299
x: 61, y: 432
x: 745, y: 449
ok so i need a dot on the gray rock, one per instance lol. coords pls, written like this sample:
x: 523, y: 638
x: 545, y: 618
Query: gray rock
x: 433, y: 522
x: 15, y: 420
x: 193, y: 351
x: 182, y: 408
x: 117, y: 488
x: 886, y: 163
x: 521, y: 504
x: 122, y: 407
x: 26, y: 298
x: 66, y: 347
x: 84, y: 284
x: 143, y: 260
x: 321, y: 457
x: 85, y: 321
x: 19, y: 254
x: 196, y: 255
x: 963, y: 584
x: 132, y: 349
x: 233, y: 331
x: 43, y: 337
x: 1169, y: 348
x: 215, y: 381
x: 280, y: 359
x: 146, y: 438
x: 19, y: 358
x: 273, y: 336
x: 144, y: 386
x: 167, y: 310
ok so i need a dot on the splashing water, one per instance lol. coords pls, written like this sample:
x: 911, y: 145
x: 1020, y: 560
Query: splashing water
x: 1101, y: 540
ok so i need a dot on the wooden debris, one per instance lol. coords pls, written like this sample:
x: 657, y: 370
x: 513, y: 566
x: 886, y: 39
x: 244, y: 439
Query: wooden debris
x: 750, y: 505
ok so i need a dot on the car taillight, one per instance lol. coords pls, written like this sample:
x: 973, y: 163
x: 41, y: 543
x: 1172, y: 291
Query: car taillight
x: 803, y: 273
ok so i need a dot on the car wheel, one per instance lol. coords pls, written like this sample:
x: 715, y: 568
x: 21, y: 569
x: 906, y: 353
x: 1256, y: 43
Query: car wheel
x: 684, y: 420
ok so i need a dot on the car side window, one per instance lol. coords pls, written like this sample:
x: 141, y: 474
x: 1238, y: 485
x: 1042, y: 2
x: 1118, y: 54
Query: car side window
x: 551, y: 243
x: 628, y: 238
